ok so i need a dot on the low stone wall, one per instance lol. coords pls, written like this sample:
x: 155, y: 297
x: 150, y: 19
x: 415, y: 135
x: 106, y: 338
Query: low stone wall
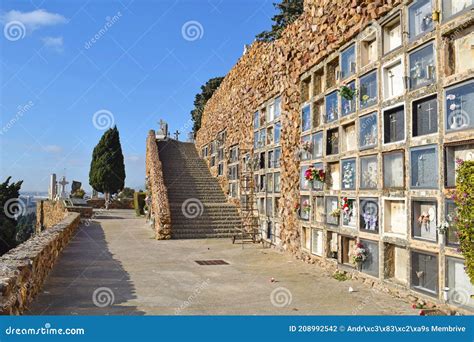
x: 49, y: 213
x: 85, y: 212
x: 160, y: 209
x: 99, y: 203
x: 24, y: 269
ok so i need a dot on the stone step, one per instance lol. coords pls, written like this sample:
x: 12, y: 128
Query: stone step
x: 187, y: 231
x: 202, y: 236
x: 204, y: 228
x: 208, y: 213
x: 176, y: 184
x: 194, y: 194
x: 223, y: 216
x: 187, y: 176
x: 174, y: 193
x: 217, y: 223
x: 181, y: 198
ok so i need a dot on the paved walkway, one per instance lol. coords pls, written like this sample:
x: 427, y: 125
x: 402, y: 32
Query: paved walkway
x: 114, y: 266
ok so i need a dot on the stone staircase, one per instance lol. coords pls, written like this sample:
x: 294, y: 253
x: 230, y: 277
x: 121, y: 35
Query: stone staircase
x: 199, y: 208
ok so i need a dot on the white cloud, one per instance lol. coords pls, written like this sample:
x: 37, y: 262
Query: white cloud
x: 133, y: 158
x: 33, y: 20
x: 54, y: 43
x: 55, y: 149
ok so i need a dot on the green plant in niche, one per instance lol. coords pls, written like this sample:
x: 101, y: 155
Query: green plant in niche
x: 340, y: 276
x: 347, y: 93
x: 464, y: 220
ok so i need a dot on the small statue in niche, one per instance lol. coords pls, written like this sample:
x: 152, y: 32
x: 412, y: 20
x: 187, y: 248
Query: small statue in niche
x: 416, y: 70
x: 424, y: 221
x: 426, y: 22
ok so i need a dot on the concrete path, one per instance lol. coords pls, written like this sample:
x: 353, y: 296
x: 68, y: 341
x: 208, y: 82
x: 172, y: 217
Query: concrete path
x: 114, y: 266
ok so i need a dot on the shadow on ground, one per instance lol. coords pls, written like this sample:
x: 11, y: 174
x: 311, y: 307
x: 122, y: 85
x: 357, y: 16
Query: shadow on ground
x: 87, y: 280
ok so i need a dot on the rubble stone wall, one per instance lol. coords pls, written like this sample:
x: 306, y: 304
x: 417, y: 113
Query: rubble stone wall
x: 24, y: 269
x: 267, y: 70
x: 49, y: 213
x: 99, y: 203
x: 160, y: 209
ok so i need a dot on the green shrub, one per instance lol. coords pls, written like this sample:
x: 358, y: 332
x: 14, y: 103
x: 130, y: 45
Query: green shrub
x: 79, y: 193
x: 340, y: 276
x: 139, y: 203
x: 464, y: 220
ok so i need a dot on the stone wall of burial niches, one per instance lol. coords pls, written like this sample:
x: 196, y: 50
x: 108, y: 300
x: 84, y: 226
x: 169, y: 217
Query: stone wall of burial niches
x: 310, y: 49
x: 271, y: 69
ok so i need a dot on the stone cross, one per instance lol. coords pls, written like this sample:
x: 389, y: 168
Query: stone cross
x: 63, y: 184
x: 429, y: 110
x: 176, y: 135
x: 391, y: 75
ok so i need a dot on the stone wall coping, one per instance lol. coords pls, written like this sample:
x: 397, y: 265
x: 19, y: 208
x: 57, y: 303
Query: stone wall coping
x: 24, y: 268
x: 159, y: 193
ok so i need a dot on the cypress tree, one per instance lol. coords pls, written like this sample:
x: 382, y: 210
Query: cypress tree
x: 107, y: 172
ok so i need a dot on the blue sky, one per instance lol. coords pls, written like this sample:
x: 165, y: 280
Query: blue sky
x: 131, y: 62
